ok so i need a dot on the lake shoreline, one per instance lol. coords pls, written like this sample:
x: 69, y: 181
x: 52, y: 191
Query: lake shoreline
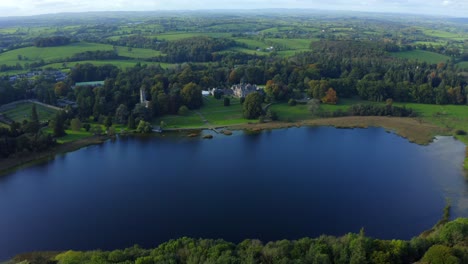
x: 12, y: 164
x: 414, y: 130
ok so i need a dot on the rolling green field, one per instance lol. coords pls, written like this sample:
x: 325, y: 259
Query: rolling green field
x: 23, y: 112
x: 444, y: 34
x: 34, y: 54
x: 137, y: 53
x: 123, y: 64
x: 421, y: 55
x: 171, y: 36
x: 292, y: 44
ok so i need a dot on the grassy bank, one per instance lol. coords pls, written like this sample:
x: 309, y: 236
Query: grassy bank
x: 432, y: 120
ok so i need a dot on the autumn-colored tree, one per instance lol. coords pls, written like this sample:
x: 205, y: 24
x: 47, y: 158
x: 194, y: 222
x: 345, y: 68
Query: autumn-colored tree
x: 330, y: 97
x: 60, y: 89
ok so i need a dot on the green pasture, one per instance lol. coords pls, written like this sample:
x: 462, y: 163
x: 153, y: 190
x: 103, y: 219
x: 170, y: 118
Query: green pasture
x: 252, y: 43
x: 172, y: 36
x: 444, y: 34
x: 34, y: 54
x: 292, y: 44
x: 421, y: 55
x: 23, y: 112
x: 137, y: 53
x: 123, y: 64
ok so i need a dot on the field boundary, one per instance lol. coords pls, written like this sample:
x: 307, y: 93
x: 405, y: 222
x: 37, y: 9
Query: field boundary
x: 12, y: 105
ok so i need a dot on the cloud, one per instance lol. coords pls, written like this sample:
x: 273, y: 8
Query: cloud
x: 31, y: 7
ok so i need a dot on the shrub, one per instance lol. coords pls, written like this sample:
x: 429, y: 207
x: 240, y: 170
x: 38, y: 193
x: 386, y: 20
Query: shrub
x: 183, y: 110
x: 227, y: 101
x: 292, y: 102
x: 460, y: 132
x: 75, y: 124
x: 87, y: 127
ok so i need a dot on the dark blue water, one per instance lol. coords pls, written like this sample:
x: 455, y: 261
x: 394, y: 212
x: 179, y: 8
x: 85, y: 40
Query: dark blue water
x: 283, y: 184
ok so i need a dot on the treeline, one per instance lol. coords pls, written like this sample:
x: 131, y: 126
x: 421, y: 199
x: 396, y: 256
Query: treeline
x: 447, y: 244
x: 195, y: 49
x: 52, y: 41
x: 136, y: 41
x: 40, y: 88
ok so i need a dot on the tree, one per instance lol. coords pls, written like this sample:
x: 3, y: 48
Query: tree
x: 87, y: 127
x: 60, y: 89
x: 144, y: 127
x: 330, y: 97
x: 121, y: 114
x: 314, y: 106
x: 183, y: 110
x: 33, y: 125
x: 439, y: 254
x: 227, y: 101
x: 96, y: 130
x: 75, y: 124
x: 276, y: 90
x: 192, y: 96
x: 59, y: 125
x: 252, y: 107
x: 131, y: 122
x: 108, y: 122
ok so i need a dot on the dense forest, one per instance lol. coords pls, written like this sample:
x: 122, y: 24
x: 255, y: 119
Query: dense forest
x: 446, y: 244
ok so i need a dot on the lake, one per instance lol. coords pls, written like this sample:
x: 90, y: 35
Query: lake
x: 280, y: 184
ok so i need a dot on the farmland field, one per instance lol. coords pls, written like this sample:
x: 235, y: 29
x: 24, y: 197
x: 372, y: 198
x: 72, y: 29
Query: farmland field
x: 23, y: 112
x: 421, y: 55
x: 34, y: 54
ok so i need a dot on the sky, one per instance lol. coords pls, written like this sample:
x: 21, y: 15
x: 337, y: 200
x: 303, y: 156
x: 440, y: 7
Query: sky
x: 35, y: 7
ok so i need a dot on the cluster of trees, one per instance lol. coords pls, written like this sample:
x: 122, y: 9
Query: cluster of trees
x: 52, y: 41
x: 40, y: 88
x: 25, y: 138
x: 447, y: 244
x: 136, y: 41
x: 195, y: 49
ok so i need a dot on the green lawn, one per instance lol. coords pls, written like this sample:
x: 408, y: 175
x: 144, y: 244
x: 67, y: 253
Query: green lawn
x: 176, y: 121
x: 217, y: 114
x: 23, y: 112
x: 301, y: 111
x: 73, y: 136
x: 421, y: 55
x: 213, y: 110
